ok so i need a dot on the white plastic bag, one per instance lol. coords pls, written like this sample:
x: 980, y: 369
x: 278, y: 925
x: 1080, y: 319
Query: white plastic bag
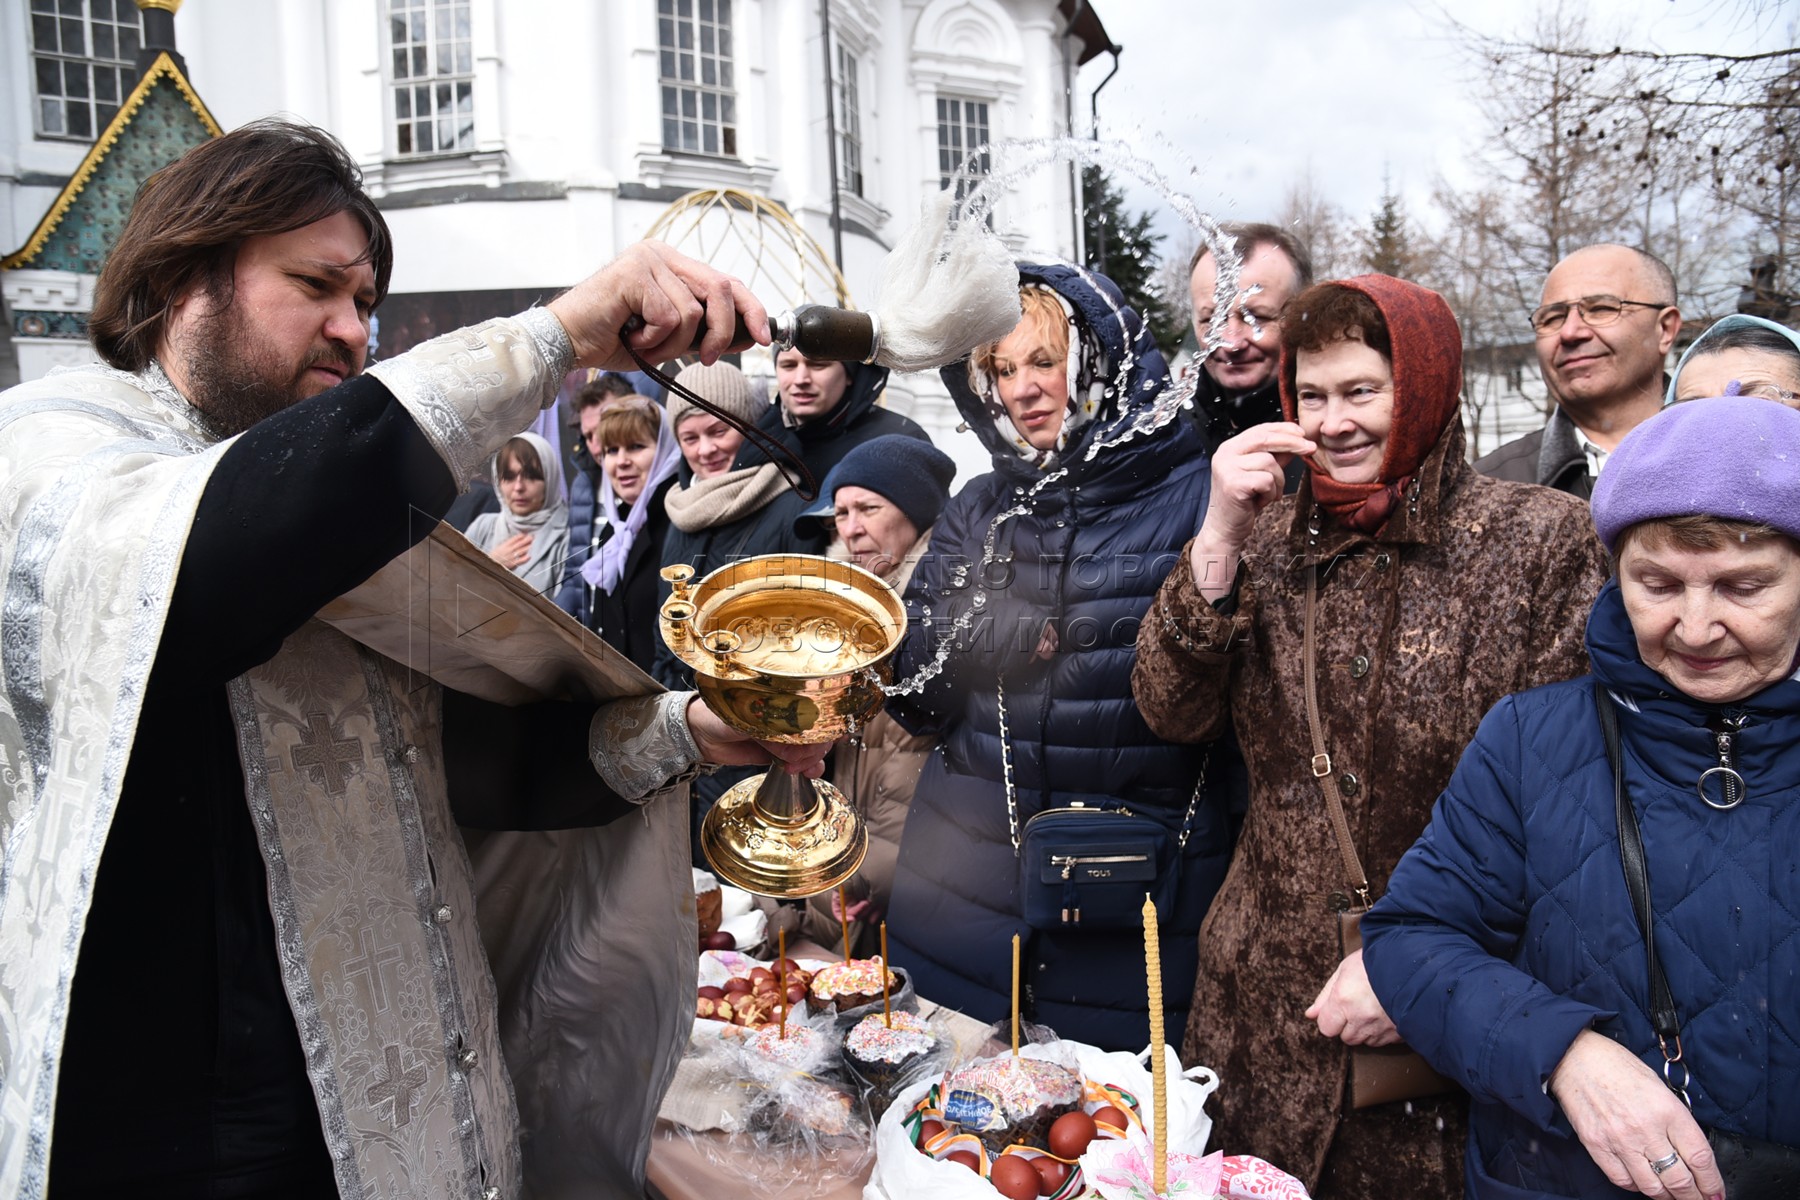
x: 1189, y: 1126
x: 902, y: 1172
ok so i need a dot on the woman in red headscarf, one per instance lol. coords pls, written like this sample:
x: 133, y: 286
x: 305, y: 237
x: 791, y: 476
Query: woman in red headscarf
x: 1434, y: 592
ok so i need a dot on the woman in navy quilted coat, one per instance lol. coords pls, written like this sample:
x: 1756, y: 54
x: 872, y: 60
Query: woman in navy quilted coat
x: 1507, y: 950
x: 1058, y: 606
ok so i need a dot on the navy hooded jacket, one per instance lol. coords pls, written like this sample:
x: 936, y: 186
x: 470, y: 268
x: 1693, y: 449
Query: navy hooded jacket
x: 1087, y: 557
x: 1507, y: 929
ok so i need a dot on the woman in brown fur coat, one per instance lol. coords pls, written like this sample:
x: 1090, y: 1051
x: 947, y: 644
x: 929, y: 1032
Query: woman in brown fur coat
x: 1439, y: 592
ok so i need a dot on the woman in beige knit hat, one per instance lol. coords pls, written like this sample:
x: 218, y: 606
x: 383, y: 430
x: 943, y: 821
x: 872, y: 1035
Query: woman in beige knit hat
x: 729, y: 502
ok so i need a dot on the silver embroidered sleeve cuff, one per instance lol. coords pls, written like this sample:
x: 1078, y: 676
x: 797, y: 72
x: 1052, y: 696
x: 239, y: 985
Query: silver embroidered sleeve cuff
x: 642, y: 745
x: 473, y: 389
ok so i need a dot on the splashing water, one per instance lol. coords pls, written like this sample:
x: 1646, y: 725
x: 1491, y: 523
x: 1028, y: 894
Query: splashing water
x: 1134, y: 420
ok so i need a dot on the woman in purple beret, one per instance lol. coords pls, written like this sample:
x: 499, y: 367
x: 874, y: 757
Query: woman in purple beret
x: 1598, y: 934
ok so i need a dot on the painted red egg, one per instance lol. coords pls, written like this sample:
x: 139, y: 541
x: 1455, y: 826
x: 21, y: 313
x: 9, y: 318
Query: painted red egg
x: 1051, y: 1174
x: 718, y: 941
x: 966, y: 1158
x: 929, y: 1130
x: 1014, y: 1177
x: 1070, y: 1134
x: 1111, y: 1116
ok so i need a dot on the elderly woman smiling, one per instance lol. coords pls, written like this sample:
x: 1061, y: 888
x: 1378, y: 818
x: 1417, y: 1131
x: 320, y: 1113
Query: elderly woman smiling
x: 1408, y: 594
x: 1508, y: 949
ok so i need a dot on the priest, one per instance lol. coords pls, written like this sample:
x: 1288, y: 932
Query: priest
x: 238, y: 947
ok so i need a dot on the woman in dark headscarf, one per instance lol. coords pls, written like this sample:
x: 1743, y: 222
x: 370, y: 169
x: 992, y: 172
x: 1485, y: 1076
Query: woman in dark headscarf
x: 1038, y: 574
x: 1434, y: 592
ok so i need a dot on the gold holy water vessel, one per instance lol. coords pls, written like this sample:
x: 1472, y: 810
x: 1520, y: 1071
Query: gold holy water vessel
x: 788, y: 648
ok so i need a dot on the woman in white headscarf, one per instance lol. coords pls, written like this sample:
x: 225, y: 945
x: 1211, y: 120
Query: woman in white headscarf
x: 529, y: 536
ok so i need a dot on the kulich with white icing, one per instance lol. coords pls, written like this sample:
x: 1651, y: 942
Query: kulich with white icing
x: 872, y: 1041
x: 801, y: 1049
x: 856, y: 979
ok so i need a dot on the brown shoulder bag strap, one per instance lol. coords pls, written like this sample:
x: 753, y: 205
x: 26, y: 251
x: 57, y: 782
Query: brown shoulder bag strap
x: 1321, y: 761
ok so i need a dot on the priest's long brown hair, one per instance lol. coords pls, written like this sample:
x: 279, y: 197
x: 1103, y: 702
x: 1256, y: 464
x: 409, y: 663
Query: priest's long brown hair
x: 189, y: 219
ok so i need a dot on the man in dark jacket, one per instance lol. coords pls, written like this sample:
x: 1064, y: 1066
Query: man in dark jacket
x: 1237, y: 387
x: 829, y: 408
x: 1604, y: 329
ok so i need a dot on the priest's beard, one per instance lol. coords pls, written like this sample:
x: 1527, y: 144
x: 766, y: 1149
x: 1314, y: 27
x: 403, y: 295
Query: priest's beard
x: 236, y: 377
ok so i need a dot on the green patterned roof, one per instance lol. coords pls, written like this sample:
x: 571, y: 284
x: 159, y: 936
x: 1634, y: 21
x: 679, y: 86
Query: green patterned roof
x: 160, y: 121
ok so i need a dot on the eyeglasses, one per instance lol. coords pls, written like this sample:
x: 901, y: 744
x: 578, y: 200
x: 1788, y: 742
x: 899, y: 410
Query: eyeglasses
x: 1768, y: 391
x: 1597, y: 311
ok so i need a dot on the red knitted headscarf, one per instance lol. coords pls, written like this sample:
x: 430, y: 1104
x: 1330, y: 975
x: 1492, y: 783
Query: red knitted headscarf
x: 1427, y: 366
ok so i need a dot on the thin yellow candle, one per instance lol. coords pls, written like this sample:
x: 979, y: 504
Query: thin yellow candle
x: 1015, y: 1002
x: 781, y: 974
x: 1159, y: 1069
x: 887, y: 1015
x: 844, y: 920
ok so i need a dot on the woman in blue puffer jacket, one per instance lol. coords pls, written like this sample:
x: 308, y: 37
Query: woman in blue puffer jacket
x: 1507, y: 949
x: 1052, y: 627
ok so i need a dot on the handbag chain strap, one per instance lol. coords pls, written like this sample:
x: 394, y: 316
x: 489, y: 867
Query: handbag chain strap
x: 1321, y: 761
x: 1012, y: 800
x: 1637, y: 881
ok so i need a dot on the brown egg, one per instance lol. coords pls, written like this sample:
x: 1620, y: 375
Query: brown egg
x: 718, y: 941
x: 1070, y: 1134
x: 795, y: 993
x: 929, y: 1130
x: 712, y: 993
x: 722, y: 1010
x: 792, y: 966
x: 967, y: 1158
x: 1051, y: 1174
x: 1014, y: 1177
x: 761, y: 975
x: 737, y: 983
x: 1111, y: 1116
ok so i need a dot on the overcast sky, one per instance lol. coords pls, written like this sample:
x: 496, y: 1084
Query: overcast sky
x: 1257, y: 94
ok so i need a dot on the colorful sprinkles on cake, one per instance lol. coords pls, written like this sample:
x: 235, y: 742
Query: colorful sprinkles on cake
x: 856, y: 977
x: 873, y: 1041
x: 800, y: 1048
x: 1020, y: 1086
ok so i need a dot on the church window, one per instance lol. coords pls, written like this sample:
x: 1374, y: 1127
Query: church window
x: 962, y: 126
x: 699, y: 96
x: 849, y: 117
x: 432, y: 68
x: 84, y: 60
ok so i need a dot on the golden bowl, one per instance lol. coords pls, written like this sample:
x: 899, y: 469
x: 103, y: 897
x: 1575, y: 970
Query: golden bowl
x: 788, y: 648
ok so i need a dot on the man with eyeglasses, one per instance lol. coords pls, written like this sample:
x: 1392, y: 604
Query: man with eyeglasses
x: 1237, y: 387
x: 1604, y: 329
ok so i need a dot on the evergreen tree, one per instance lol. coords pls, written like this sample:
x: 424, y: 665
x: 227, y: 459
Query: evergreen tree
x: 1387, y: 249
x: 1122, y: 247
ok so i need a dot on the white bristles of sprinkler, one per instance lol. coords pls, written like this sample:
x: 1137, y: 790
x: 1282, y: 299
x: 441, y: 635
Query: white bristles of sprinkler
x: 944, y: 291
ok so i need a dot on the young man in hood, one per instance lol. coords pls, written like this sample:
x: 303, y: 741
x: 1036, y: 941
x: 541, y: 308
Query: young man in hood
x: 829, y: 408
